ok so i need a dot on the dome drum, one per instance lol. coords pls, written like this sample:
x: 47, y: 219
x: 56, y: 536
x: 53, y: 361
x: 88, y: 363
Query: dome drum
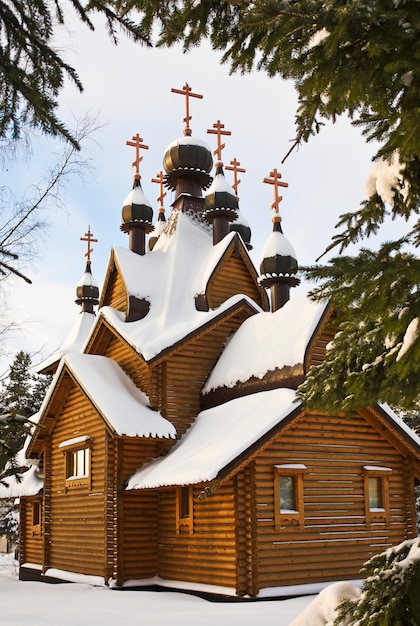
x: 187, y: 157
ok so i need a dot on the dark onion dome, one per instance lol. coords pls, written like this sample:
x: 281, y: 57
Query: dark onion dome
x: 220, y: 199
x: 87, y: 291
x: 187, y: 155
x: 241, y: 226
x: 158, y: 229
x: 278, y: 257
x: 137, y: 210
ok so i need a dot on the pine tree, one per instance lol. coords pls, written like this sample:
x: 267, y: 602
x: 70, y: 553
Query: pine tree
x: 361, y: 59
x: 390, y: 593
x: 32, y: 73
x: 21, y: 397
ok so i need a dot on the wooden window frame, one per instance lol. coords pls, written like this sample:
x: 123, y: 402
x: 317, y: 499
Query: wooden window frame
x: 69, y: 450
x: 295, y: 518
x: 382, y: 514
x: 184, y: 521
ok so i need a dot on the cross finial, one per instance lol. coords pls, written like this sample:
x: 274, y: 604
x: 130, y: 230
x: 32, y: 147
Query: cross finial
x: 218, y: 130
x: 275, y: 180
x: 138, y: 145
x: 186, y: 91
x: 162, y: 194
x: 89, y: 238
x: 234, y: 167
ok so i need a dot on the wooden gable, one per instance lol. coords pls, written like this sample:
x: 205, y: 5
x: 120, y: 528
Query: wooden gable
x: 178, y: 373
x: 234, y: 274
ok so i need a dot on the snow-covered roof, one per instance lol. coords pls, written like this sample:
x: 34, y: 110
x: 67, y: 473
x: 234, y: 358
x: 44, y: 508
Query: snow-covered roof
x: 266, y: 342
x: 30, y: 482
x: 74, y: 342
x: 122, y: 405
x: 217, y: 437
x: 277, y: 244
x: 170, y: 277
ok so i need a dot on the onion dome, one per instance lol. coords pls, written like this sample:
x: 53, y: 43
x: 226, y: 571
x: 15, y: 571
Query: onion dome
x: 221, y: 205
x: 158, y: 229
x: 187, y: 155
x: 278, y: 255
x: 87, y: 291
x: 136, y: 208
x: 242, y: 227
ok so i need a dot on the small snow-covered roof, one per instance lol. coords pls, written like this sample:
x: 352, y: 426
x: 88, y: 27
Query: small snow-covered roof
x: 217, y: 437
x: 277, y: 244
x: 30, y: 482
x: 170, y: 277
x: 124, y: 407
x: 74, y: 342
x: 266, y: 342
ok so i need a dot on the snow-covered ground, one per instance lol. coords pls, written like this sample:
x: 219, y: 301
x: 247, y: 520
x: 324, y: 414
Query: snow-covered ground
x: 25, y: 603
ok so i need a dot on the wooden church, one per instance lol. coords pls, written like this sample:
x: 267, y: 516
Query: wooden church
x: 172, y: 449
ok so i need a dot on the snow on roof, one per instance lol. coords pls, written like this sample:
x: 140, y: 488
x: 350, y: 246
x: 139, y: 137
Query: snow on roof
x: 122, y: 405
x: 267, y: 341
x: 30, y: 482
x: 220, y: 184
x: 136, y: 196
x: 400, y: 423
x: 217, y: 437
x: 87, y: 280
x: 188, y: 141
x: 277, y: 244
x: 170, y: 277
x: 74, y: 342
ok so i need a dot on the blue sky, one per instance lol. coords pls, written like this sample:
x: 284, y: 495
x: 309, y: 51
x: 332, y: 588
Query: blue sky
x: 129, y: 88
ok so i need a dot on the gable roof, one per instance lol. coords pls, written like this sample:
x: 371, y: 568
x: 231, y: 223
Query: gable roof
x: 123, y: 407
x: 217, y: 437
x: 266, y: 342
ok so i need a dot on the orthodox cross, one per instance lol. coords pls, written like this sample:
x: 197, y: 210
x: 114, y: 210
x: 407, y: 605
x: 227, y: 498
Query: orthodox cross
x: 162, y: 194
x: 275, y: 180
x: 138, y: 145
x: 234, y: 167
x: 218, y: 130
x: 89, y: 238
x: 186, y: 91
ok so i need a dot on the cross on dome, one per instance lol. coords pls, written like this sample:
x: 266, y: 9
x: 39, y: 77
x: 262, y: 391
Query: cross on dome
x: 160, y: 180
x: 234, y: 167
x: 138, y: 145
x: 89, y: 238
x: 274, y: 179
x: 186, y: 91
x: 218, y: 130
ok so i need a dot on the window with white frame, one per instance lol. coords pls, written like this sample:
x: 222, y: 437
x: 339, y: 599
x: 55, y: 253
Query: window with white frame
x: 376, y: 490
x: 77, y: 461
x: 288, y: 495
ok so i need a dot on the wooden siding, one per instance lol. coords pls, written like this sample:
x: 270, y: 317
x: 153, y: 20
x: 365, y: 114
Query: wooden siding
x: 130, y: 361
x: 115, y: 295
x: 77, y: 518
x: 336, y: 539
x: 208, y: 554
x: 179, y: 379
x: 317, y: 349
x: 31, y: 548
x: 231, y: 277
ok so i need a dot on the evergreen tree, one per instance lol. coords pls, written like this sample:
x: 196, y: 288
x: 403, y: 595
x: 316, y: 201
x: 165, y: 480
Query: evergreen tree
x: 345, y: 57
x: 32, y: 72
x: 390, y: 594
x: 21, y: 397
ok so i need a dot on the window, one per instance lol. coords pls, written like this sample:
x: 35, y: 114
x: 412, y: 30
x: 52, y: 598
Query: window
x: 288, y: 495
x: 77, y: 460
x: 36, y: 518
x: 376, y: 487
x: 184, y: 509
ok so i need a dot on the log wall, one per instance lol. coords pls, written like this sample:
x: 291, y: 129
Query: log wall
x: 207, y: 555
x: 78, y: 514
x: 116, y: 293
x: 336, y: 539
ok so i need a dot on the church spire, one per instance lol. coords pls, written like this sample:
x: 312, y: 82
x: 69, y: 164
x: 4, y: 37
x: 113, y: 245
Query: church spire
x: 221, y: 205
x: 279, y: 263
x: 137, y: 212
x: 87, y: 291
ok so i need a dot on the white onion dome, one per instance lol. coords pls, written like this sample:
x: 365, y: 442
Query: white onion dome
x: 278, y: 255
x: 187, y: 155
x: 220, y: 199
x: 136, y: 210
x: 87, y: 291
x: 242, y: 227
